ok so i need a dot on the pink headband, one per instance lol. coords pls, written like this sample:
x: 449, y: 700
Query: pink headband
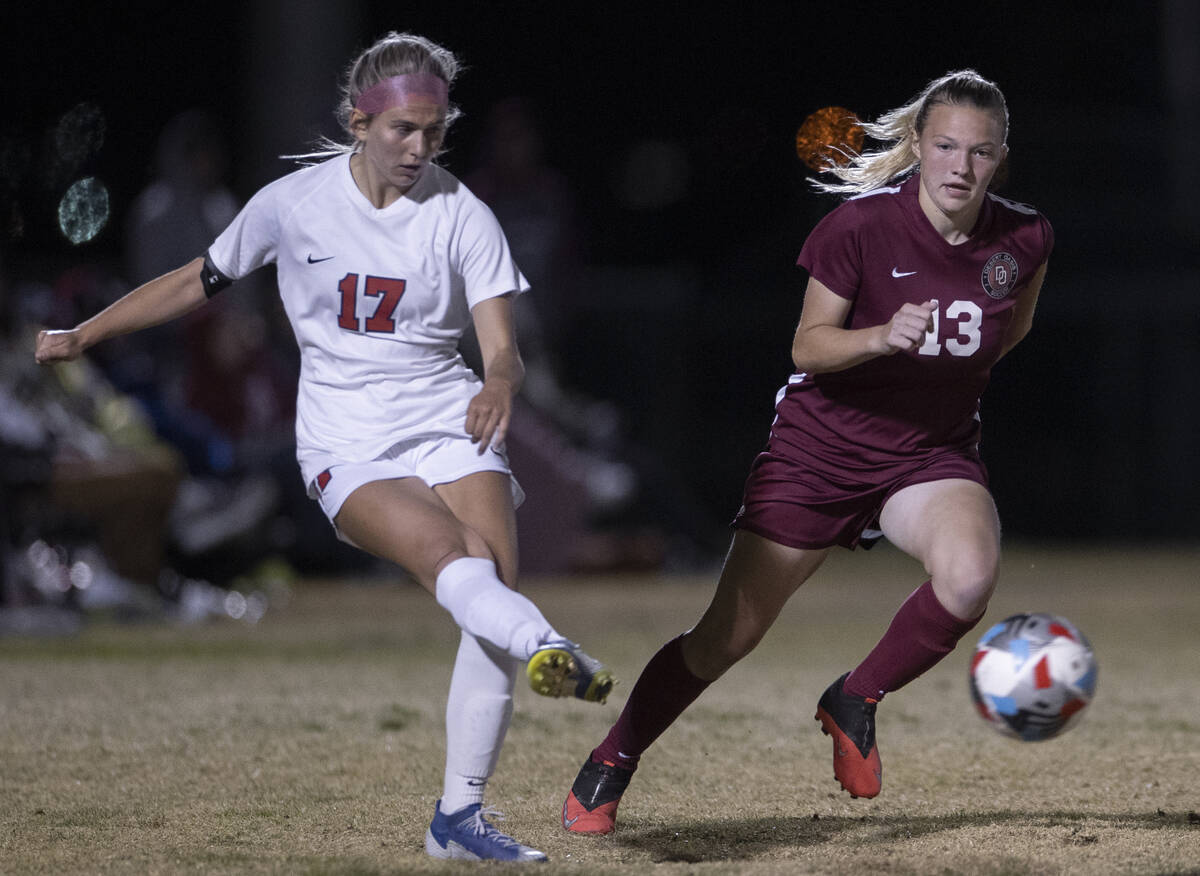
x: 398, y: 90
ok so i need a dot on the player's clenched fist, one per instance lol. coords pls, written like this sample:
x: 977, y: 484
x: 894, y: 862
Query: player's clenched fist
x: 906, y: 329
x: 58, y: 346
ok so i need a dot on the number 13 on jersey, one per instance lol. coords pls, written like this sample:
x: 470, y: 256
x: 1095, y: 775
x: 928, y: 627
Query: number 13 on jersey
x: 387, y: 289
x: 969, y: 316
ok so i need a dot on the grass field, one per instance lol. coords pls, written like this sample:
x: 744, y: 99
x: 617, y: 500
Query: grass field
x: 312, y: 743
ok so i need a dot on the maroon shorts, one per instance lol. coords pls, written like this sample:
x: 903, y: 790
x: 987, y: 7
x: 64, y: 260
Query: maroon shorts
x: 798, y: 506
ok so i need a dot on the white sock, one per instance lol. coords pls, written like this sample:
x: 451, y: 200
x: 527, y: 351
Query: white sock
x: 481, y: 605
x: 478, y: 710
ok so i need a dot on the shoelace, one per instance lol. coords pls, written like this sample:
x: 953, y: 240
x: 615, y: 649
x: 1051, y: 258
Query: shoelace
x: 483, y: 828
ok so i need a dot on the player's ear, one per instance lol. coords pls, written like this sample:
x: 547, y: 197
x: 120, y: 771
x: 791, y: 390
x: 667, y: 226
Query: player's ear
x: 359, y: 122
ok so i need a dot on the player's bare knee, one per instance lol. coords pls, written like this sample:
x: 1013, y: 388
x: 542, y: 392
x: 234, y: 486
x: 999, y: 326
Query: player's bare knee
x: 462, y: 541
x: 966, y: 582
x: 476, y: 545
x: 440, y: 553
x: 740, y: 646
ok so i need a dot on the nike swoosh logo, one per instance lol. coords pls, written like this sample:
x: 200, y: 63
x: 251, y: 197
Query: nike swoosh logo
x: 896, y: 272
x: 475, y: 784
x: 570, y: 822
x: 313, y: 261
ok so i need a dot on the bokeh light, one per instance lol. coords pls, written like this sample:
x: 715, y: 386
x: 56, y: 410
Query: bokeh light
x: 832, y: 134
x: 79, y: 135
x: 81, y: 575
x: 83, y: 210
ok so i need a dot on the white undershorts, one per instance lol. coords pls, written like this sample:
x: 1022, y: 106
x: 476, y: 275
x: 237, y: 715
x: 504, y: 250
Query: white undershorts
x: 439, y: 460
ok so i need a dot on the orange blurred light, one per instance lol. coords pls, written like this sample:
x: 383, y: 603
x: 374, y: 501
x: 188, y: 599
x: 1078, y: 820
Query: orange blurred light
x: 827, y: 136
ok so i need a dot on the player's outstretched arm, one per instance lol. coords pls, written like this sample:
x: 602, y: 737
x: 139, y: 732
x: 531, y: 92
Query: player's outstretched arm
x: 161, y: 300
x: 823, y: 344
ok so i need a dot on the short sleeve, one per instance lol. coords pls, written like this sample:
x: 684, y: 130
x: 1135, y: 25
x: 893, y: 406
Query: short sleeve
x: 832, y: 254
x: 1047, y: 237
x: 252, y: 238
x: 483, y: 257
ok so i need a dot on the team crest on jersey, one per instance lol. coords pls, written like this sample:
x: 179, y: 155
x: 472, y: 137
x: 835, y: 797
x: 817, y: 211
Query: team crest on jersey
x: 999, y: 275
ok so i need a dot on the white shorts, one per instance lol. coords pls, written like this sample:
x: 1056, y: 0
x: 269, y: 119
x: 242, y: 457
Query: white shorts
x: 439, y: 460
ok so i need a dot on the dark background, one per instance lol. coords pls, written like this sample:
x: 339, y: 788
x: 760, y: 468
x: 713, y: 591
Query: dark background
x: 687, y: 308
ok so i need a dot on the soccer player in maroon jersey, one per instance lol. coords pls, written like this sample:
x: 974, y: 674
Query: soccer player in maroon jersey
x: 918, y: 283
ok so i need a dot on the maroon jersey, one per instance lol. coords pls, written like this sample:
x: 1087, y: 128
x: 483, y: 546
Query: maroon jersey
x: 879, y: 251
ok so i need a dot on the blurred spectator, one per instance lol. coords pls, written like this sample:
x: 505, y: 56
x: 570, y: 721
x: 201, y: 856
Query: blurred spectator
x: 91, y: 497
x: 219, y: 384
x: 85, y: 486
x: 536, y: 208
x: 187, y: 204
x: 168, y: 456
x: 560, y: 436
x: 231, y: 391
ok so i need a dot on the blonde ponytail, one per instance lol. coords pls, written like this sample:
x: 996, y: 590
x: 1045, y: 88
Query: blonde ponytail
x: 901, y: 126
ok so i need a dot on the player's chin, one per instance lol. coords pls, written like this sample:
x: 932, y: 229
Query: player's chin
x: 407, y: 174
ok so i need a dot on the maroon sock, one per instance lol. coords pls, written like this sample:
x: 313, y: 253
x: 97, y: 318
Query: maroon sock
x: 921, y: 634
x: 665, y: 688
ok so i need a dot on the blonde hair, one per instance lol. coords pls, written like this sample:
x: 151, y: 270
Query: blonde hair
x: 900, y: 127
x: 394, y: 54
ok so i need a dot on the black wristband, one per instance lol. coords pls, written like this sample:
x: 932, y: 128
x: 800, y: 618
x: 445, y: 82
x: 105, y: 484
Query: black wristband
x: 214, y: 281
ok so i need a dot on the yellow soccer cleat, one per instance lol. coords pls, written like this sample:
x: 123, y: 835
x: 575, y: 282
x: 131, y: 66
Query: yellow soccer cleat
x: 561, y: 669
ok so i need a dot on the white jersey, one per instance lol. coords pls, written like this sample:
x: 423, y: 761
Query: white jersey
x: 378, y: 300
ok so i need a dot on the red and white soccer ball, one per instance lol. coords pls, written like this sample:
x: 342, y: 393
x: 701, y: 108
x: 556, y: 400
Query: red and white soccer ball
x: 1032, y: 675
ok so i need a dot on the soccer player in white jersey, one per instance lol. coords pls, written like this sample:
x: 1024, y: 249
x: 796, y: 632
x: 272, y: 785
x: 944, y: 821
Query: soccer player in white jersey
x: 383, y: 257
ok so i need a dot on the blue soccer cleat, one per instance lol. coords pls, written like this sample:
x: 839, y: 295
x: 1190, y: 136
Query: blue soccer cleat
x: 465, y: 835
